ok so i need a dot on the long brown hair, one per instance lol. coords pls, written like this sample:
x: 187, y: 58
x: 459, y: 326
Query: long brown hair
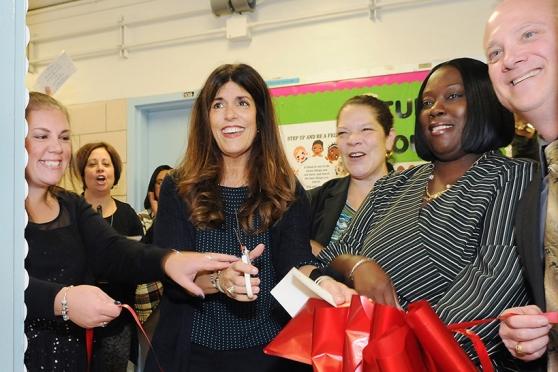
x: 271, y: 181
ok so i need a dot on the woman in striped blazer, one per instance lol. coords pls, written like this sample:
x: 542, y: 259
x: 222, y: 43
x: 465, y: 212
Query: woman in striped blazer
x: 443, y: 231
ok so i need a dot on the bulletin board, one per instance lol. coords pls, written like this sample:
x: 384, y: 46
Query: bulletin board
x: 306, y: 115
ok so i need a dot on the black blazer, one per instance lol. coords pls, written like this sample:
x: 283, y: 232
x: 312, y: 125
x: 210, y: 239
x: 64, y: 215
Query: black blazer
x: 290, y: 244
x: 326, y: 204
x: 530, y: 247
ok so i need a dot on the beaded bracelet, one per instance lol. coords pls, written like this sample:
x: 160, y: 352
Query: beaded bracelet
x: 217, y: 283
x: 359, y: 262
x: 64, y: 303
x: 213, y: 279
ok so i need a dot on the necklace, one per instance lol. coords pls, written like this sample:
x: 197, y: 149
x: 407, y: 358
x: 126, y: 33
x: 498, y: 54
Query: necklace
x: 428, y: 197
x: 100, y: 211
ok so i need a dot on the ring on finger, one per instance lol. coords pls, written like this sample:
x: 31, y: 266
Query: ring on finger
x: 231, y: 290
x: 519, y: 349
x: 104, y: 324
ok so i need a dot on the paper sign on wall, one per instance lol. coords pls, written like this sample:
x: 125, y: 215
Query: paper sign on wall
x: 55, y: 74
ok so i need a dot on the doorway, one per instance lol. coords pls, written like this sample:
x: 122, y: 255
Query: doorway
x: 157, y: 134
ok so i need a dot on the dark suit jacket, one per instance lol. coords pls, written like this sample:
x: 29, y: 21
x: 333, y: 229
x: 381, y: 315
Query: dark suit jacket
x: 530, y: 247
x: 326, y: 204
x: 529, y: 243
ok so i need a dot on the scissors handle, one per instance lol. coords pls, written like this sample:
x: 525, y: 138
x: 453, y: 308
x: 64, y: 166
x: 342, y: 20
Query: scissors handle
x: 247, y: 282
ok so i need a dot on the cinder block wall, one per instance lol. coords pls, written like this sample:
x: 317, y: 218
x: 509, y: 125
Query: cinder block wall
x: 100, y: 121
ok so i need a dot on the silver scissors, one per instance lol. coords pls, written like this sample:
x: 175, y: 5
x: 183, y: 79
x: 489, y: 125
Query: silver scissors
x: 245, y: 257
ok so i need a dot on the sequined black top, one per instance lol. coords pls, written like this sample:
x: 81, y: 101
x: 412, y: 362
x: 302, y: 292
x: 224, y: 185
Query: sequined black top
x: 73, y: 249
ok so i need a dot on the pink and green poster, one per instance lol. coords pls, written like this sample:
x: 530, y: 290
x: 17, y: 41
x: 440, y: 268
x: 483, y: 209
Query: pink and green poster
x: 307, y: 113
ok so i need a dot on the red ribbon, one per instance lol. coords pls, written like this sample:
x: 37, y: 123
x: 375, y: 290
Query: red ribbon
x: 378, y: 338
x: 438, y: 341
x: 89, y: 346
x: 89, y: 338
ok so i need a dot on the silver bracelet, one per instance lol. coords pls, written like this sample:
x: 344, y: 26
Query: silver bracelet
x: 321, y: 279
x: 64, y: 303
x: 213, y: 277
x: 359, y: 262
x: 217, y: 283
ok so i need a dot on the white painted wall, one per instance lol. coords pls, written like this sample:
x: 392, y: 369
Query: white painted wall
x: 314, y: 49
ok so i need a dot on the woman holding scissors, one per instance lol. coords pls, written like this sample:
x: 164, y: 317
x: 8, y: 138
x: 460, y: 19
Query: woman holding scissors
x: 233, y: 192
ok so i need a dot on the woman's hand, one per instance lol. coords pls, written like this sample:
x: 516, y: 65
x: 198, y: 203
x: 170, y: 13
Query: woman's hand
x: 88, y: 306
x: 316, y: 247
x: 526, y: 334
x: 182, y: 267
x: 232, y: 281
x: 203, y: 280
x: 153, y: 203
x: 340, y: 292
x: 370, y: 280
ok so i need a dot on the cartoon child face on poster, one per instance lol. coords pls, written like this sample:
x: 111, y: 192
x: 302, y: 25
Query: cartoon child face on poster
x: 317, y: 148
x: 332, y: 153
x: 300, y: 154
x: 306, y: 146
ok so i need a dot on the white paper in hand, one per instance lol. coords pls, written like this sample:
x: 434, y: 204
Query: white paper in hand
x: 295, y: 289
x: 55, y: 74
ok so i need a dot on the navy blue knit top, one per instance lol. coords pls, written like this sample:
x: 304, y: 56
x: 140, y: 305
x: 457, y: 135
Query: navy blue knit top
x: 221, y: 323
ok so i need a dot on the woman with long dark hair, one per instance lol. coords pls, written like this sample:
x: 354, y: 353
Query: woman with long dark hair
x: 233, y: 189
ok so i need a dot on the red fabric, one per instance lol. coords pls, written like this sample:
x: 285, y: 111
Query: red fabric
x: 437, y: 340
x: 369, y: 337
x: 327, y: 338
x: 295, y: 339
x: 357, y: 333
x: 393, y: 346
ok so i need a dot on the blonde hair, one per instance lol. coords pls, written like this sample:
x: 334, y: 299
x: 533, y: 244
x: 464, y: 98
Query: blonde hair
x: 40, y: 101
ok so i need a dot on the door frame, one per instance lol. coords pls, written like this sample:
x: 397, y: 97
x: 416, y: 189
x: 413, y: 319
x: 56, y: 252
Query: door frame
x: 138, y: 111
x: 13, y: 219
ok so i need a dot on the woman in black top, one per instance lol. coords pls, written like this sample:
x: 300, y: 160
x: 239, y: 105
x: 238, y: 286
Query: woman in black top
x: 70, y: 244
x: 234, y: 187
x: 99, y: 167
